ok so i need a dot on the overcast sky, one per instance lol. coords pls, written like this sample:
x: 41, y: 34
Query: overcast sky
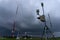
x: 26, y: 18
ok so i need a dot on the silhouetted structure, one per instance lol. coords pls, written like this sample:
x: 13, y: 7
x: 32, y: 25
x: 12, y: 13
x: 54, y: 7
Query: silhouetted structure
x: 14, y: 23
x: 46, y: 29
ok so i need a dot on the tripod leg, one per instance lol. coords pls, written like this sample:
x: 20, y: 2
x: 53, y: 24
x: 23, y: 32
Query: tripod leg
x: 52, y: 35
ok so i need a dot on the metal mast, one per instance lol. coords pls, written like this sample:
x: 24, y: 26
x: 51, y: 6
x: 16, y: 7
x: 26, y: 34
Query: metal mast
x: 43, y: 19
x: 45, y: 27
x: 14, y: 23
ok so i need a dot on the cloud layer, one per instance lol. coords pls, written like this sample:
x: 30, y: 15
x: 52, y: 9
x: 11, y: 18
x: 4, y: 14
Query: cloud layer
x: 26, y: 16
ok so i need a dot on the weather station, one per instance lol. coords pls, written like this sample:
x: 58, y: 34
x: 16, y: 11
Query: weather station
x: 46, y: 29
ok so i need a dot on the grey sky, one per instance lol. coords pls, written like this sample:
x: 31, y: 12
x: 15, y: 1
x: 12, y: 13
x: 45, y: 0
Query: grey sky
x: 26, y: 17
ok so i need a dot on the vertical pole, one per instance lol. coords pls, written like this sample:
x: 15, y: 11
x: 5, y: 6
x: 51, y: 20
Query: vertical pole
x: 42, y: 7
x: 45, y: 20
x: 45, y: 33
x: 14, y: 25
x: 13, y: 29
x: 50, y: 20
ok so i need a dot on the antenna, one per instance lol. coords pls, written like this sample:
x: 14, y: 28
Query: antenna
x: 13, y: 29
x: 46, y: 28
x: 14, y: 23
x: 50, y: 20
x: 42, y: 7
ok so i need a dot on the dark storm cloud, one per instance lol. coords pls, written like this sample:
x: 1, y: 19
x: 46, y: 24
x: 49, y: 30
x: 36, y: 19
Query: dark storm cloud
x: 6, y: 13
x: 30, y: 8
x: 26, y: 17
